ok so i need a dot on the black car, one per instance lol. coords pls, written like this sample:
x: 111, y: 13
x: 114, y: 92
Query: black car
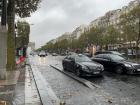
x: 81, y: 65
x: 108, y: 52
x: 117, y: 63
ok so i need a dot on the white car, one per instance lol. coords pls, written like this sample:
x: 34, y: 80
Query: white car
x: 42, y: 54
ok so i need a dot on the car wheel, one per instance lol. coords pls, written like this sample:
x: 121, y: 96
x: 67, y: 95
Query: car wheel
x: 64, y: 68
x: 77, y: 72
x: 119, y: 70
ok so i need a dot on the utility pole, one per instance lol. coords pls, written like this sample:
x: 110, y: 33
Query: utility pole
x: 3, y: 39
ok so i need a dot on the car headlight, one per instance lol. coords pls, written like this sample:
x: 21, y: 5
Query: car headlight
x: 84, y: 68
x: 102, y: 67
x: 128, y: 65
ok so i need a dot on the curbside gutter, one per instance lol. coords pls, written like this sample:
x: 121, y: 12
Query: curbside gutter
x: 81, y: 80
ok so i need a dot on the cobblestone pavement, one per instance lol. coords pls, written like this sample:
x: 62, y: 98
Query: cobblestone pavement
x: 116, y: 90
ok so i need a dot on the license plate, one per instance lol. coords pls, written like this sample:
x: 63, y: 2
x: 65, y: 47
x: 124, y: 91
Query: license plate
x: 138, y: 69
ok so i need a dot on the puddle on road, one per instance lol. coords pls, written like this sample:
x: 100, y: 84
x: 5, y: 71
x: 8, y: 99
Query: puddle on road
x: 4, y: 102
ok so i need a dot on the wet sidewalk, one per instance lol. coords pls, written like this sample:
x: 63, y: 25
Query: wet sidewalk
x: 19, y: 88
x: 7, y: 87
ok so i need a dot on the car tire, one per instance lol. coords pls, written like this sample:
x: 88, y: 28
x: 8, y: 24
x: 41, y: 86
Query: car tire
x: 64, y: 68
x: 77, y: 72
x: 119, y: 70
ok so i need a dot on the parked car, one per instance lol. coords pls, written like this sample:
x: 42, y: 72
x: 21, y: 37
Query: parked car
x: 117, y: 63
x: 81, y: 65
x: 42, y: 54
x: 108, y: 52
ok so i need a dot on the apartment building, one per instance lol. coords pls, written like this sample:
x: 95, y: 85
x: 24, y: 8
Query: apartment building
x: 112, y: 17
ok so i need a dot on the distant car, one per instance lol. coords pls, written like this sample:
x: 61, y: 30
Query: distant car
x: 54, y: 54
x: 42, y: 54
x: 117, y: 64
x: 32, y: 54
x: 81, y: 65
x: 63, y: 54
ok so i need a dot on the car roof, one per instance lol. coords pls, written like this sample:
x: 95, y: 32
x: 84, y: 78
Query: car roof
x: 76, y: 55
x: 107, y: 55
x: 108, y: 52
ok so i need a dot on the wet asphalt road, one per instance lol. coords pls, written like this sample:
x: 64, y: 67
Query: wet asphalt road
x: 115, y: 89
x: 119, y: 85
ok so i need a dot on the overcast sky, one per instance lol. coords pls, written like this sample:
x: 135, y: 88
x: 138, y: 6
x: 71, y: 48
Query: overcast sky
x: 55, y: 17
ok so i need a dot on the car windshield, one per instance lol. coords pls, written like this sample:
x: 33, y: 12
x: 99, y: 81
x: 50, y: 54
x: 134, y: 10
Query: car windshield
x: 116, y: 57
x: 82, y: 58
x: 42, y: 52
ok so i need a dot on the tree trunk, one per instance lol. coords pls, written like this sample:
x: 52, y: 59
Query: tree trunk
x: 11, y: 35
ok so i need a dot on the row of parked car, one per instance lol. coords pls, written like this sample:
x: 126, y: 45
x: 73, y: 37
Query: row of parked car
x: 111, y: 61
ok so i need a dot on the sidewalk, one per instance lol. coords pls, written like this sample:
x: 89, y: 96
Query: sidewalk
x: 17, y: 86
x: 26, y: 86
x: 7, y: 87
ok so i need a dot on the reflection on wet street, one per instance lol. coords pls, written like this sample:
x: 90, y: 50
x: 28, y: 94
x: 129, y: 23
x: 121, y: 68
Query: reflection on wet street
x: 132, y: 79
x: 42, y: 60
